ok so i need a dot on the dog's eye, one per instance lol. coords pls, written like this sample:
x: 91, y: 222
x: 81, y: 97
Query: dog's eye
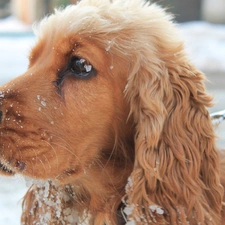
x: 81, y: 67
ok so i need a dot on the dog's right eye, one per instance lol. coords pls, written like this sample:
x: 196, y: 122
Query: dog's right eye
x: 81, y: 67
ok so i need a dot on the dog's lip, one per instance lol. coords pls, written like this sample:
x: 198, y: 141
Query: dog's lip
x: 5, y: 170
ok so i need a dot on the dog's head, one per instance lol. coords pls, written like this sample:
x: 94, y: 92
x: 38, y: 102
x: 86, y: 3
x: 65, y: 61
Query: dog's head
x: 110, y: 91
x: 69, y: 107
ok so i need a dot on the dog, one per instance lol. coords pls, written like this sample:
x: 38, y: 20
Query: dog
x: 110, y: 122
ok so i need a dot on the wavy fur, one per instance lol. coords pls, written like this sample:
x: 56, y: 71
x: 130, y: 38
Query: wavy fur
x: 150, y: 121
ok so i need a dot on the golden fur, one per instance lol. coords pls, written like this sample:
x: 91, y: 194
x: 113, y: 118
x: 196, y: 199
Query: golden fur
x: 142, y: 117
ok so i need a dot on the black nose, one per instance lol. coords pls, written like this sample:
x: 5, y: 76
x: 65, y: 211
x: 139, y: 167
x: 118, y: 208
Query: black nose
x: 1, y: 114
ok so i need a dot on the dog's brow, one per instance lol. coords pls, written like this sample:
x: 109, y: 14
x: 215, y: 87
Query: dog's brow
x: 36, y: 52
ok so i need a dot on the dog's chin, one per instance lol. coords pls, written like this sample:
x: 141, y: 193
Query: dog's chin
x: 6, y: 170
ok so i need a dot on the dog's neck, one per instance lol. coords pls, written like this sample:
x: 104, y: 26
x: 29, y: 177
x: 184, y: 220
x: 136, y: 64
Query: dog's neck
x: 101, y: 189
x: 96, y: 195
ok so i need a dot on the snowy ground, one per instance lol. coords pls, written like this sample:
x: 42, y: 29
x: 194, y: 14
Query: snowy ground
x: 206, y: 46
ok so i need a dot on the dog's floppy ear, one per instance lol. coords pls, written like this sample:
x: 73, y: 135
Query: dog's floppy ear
x: 175, y: 177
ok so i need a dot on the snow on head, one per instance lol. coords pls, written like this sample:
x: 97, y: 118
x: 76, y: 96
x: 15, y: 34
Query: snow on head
x: 108, y: 48
x: 2, y: 95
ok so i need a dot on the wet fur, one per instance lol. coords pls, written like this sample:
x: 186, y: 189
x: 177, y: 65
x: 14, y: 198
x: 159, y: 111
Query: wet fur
x: 143, y: 117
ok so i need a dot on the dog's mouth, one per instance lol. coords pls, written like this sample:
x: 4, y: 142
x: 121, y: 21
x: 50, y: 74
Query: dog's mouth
x: 5, y: 170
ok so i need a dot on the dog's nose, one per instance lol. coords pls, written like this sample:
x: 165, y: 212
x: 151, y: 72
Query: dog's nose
x: 1, y: 114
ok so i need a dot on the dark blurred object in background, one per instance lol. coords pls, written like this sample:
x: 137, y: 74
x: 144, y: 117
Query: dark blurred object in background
x: 30, y: 11
x: 213, y: 11
x: 4, y: 8
x: 184, y: 10
x: 189, y: 10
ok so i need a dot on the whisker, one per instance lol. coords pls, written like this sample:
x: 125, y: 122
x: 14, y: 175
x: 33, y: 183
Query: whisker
x: 42, y: 164
x: 52, y: 148
x: 108, y: 175
x: 46, y: 159
x: 68, y: 150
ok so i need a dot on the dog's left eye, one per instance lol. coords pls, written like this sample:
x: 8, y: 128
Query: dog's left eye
x: 81, y: 67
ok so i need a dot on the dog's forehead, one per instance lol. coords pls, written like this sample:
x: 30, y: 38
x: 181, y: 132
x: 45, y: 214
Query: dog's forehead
x: 57, y: 52
x: 68, y: 30
x: 97, y: 24
x: 73, y: 19
x: 97, y: 20
x: 90, y: 18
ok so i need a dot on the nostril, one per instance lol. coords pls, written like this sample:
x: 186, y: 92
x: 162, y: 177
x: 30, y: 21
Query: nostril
x: 1, y: 114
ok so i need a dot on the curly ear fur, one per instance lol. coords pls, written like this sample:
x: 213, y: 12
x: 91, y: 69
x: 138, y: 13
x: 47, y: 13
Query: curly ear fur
x: 176, y: 173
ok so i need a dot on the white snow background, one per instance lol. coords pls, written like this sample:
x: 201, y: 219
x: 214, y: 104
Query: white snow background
x: 205, y: 44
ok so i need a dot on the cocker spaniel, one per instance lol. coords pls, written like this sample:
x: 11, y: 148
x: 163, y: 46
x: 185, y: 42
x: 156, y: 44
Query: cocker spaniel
x: 110, y: 122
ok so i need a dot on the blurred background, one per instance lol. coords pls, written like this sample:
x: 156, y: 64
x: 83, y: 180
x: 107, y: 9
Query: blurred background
x: 202, y: 24
x: 30, y: 11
